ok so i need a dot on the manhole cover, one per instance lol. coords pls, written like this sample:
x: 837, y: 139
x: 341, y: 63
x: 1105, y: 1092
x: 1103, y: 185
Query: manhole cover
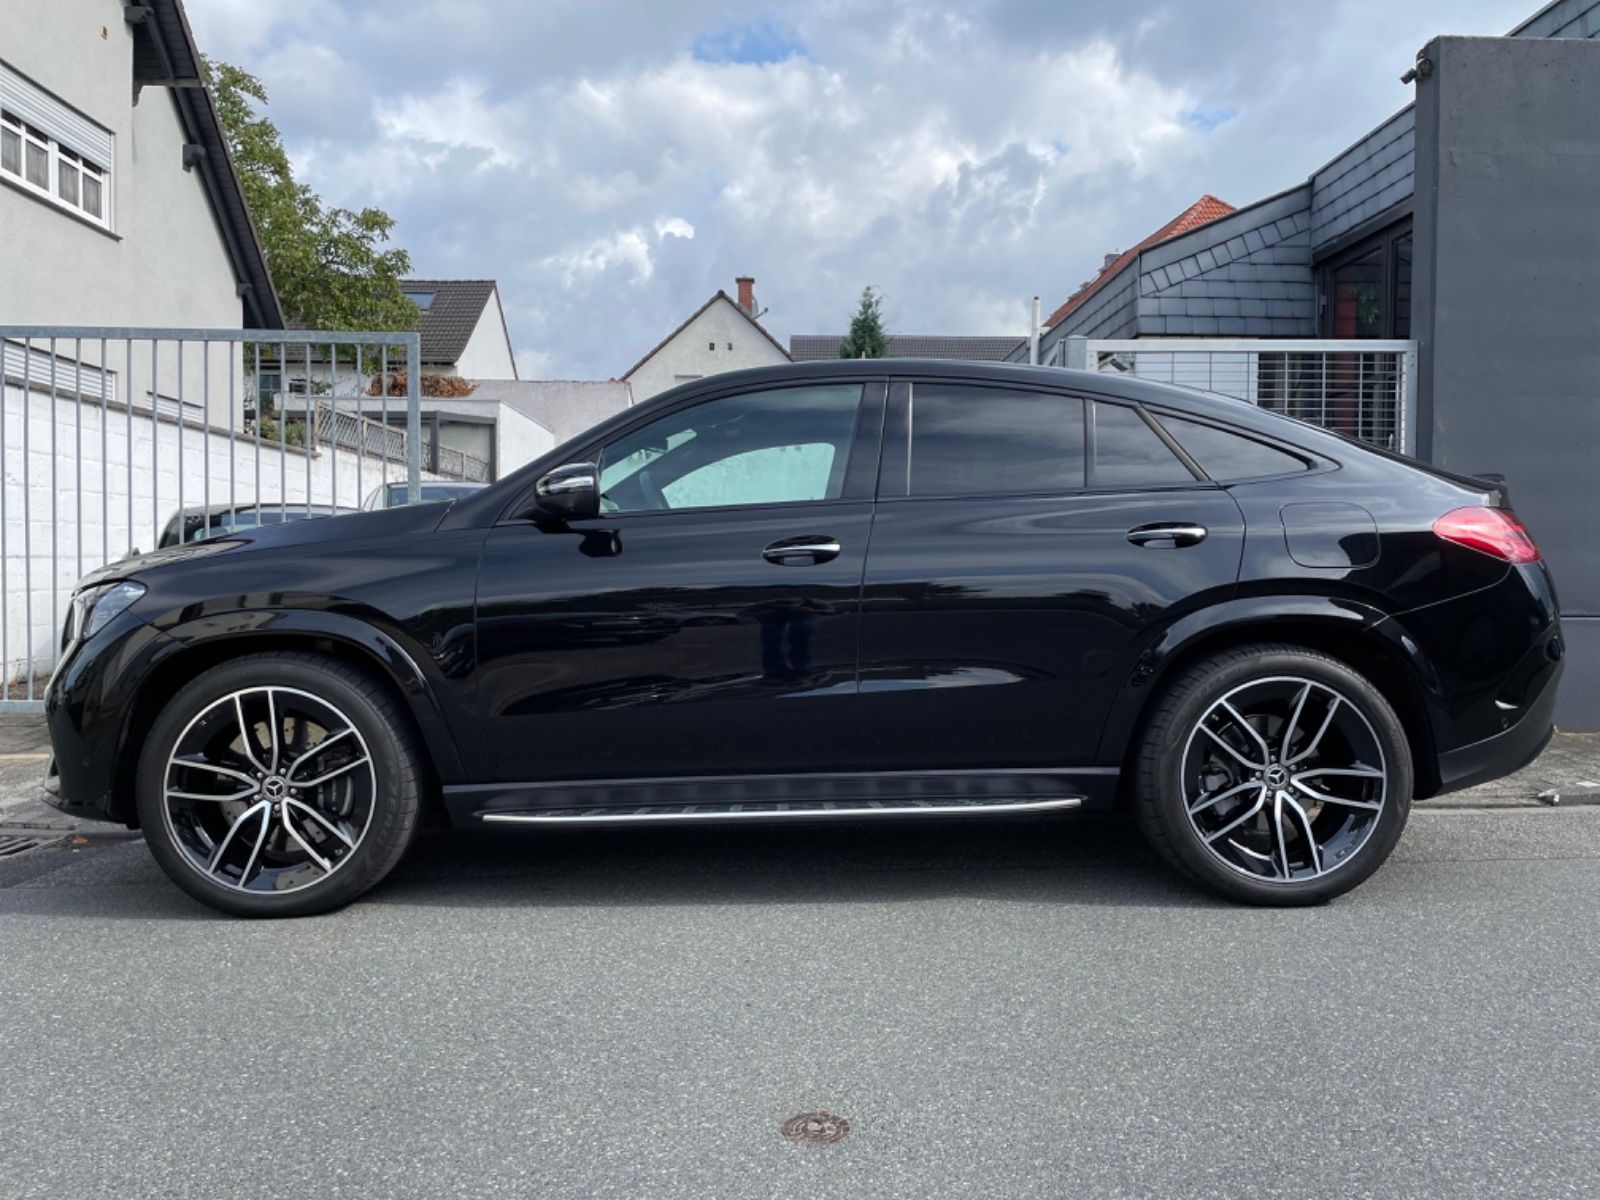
x: 816, y: 1128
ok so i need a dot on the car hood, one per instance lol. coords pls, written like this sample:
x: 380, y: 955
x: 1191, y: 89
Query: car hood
x: 347, y: 527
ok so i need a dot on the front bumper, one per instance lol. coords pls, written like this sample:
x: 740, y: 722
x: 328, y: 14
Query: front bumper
x: 86, y: 709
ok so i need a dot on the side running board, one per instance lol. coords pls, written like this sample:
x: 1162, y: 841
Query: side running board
x: 791, y: 811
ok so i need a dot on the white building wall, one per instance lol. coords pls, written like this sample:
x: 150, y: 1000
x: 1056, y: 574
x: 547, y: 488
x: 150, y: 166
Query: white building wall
x: 720, y: 339
x: 163, y: 263
x: 81, y: 489
x: 488, y: 353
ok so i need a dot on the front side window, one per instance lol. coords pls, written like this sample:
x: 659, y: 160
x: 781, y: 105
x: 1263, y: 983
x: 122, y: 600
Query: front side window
x: 968, y: 441
x: 781, y: 446
x: 1130, y: 454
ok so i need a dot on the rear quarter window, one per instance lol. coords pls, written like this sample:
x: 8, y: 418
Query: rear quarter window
x: 1227, y: 456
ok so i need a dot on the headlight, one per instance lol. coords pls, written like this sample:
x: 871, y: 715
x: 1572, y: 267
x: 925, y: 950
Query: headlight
x: 94, y: 607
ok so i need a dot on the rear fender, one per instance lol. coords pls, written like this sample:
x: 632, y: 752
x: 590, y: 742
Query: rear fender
x: 1339, y: 626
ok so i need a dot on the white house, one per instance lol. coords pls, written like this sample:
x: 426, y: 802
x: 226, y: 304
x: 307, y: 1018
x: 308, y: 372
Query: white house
x: 723, y: 334
x: 118, y: 203
x: 463, y: 328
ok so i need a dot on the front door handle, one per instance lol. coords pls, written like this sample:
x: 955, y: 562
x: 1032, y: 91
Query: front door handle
x: 802, y: 551
x: 1167, y: 536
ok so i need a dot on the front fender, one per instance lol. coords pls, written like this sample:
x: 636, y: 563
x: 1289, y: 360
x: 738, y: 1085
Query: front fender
x: 414, y: 674
x: 1264, y: 617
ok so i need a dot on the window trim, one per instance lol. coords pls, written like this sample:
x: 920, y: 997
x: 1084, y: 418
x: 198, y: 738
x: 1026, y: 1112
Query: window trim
x: 30, y: 134
x: 1386, y: 238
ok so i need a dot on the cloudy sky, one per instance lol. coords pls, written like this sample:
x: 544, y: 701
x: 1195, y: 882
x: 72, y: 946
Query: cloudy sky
x: 613, y: 162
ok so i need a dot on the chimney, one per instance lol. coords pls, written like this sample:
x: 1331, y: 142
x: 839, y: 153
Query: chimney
x: 747, y: 294
x: 1110, y: 258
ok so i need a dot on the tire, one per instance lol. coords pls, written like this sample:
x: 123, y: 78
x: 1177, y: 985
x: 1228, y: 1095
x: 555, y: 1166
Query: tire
x: 1328, y: 816
x: 301, y: 825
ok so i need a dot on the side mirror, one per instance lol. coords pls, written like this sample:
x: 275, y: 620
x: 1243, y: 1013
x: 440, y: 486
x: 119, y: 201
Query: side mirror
x: 570, y: 492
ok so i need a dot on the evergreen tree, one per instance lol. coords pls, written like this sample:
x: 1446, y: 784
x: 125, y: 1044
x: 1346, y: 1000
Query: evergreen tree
x: 867, y: 338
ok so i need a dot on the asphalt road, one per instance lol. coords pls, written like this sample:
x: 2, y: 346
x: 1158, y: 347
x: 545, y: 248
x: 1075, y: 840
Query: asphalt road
x: 1026, y: 1009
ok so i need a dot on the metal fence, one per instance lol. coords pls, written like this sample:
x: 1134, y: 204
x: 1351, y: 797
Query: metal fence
x: 117, y: 440
x: 1364, y: 389
x: 334, y: 426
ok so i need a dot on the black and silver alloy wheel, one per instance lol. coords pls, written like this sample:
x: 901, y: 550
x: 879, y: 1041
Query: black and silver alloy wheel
x: 1274, y: 774
x: 269, y: 789
x: 1283, y: 779
x: 280, y: 784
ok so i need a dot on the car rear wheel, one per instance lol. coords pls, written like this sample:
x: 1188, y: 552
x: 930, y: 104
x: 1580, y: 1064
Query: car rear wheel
x: 1274, y: 775
x: 279, y: 785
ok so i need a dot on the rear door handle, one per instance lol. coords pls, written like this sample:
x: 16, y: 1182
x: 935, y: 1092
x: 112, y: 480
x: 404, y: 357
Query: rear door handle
x: 1161, y: 536
x: 802, y: 551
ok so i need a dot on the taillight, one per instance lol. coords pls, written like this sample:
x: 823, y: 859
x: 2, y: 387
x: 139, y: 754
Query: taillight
x: 1494, y: 531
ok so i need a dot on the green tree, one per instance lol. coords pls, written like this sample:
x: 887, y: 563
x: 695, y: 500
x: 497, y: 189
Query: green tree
x: 332, y: 266
x: 866, y: 338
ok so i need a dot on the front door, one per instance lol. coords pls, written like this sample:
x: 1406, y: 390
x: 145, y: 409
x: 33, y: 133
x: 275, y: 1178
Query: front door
x: 1026, y: 545
x: 706, y: 622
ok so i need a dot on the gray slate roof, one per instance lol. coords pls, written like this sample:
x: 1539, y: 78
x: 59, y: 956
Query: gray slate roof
x: 814, y: 347
x: 448, y: 323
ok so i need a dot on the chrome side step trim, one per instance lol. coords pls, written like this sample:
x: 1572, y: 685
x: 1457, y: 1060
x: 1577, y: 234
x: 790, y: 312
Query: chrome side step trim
x: 739, y: 813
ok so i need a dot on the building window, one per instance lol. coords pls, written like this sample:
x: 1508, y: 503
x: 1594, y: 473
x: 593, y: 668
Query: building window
x: 1365, y: 289
x: 54, y: 172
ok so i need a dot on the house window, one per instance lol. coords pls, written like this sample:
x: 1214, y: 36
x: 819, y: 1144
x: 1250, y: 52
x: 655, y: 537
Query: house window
x: 423, y: 300
x: 1366, y: 288
x: 52, y: 171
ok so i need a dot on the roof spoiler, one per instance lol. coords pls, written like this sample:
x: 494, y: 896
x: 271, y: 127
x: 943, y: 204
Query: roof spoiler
x: 1495, y: 483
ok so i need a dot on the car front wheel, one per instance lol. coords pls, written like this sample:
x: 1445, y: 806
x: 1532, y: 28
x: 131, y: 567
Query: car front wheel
x: 279, y: 785
x: 1274, y: 775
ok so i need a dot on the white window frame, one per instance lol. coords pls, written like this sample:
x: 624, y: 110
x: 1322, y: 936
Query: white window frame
x: 51, y: 192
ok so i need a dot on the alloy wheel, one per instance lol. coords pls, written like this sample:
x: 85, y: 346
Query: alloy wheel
x: 1284, y: 779
x: 269, y: 790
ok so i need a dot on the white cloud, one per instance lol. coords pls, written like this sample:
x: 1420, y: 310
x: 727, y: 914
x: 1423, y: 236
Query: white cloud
x: 960, y: 157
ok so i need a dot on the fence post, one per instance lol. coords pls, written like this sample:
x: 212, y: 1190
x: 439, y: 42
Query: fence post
x: 1408, y: 404
x: 413, y: 418
x: 1077, y: 353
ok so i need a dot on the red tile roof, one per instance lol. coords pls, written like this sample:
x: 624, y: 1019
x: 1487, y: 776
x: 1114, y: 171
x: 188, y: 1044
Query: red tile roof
x: 1202, y: 212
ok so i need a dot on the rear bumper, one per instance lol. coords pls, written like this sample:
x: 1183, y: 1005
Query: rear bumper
x: 1505, y: 752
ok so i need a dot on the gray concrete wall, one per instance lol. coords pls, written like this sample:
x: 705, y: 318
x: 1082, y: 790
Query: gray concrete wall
x: 1507, y: 299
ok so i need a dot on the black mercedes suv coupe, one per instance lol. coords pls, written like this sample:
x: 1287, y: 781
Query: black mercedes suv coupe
x: 853, y: 590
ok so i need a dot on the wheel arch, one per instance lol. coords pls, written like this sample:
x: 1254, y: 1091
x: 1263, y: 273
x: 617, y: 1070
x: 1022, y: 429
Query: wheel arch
x: 1361, y: 637
x: 199, y: 645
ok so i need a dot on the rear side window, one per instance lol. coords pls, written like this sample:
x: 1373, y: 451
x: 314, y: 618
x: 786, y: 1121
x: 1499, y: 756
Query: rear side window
x: 1227, y: 456
x: 975, y: 440
x: 1129, y: 454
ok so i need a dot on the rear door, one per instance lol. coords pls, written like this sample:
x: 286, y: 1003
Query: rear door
x: 1026, y: 545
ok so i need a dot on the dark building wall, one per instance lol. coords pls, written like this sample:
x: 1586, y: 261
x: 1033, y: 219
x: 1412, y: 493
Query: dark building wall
x: 1372, y: 176
x: 1247, y: 275
x: 1564, y: 18
x: 1507, y: 300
